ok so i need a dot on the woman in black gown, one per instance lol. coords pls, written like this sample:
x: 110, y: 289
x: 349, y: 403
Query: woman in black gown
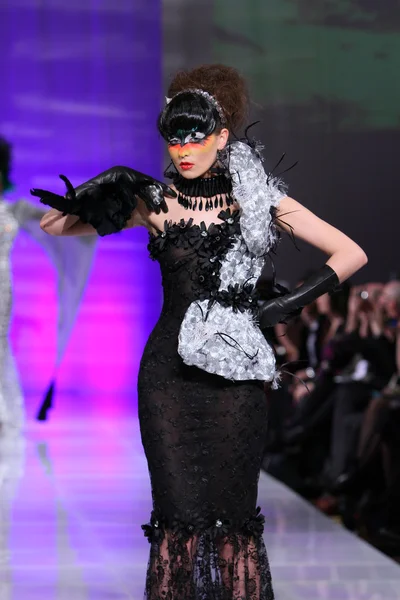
x: 202, y: 407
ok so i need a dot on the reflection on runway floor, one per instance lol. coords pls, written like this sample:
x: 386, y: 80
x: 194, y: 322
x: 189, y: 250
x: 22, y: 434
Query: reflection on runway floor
x: 73, y: 494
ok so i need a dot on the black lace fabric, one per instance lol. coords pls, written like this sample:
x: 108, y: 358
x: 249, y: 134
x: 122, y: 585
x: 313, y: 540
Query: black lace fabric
x: 204, y: 439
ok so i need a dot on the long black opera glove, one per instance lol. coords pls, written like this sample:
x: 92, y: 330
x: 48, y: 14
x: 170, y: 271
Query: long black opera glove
x: 284, y: 308
x: 107, y: 201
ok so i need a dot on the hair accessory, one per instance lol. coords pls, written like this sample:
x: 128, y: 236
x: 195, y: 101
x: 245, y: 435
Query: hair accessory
x: 206, y: 95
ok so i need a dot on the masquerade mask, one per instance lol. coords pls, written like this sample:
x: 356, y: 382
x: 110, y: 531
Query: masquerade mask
x: 182, y: 137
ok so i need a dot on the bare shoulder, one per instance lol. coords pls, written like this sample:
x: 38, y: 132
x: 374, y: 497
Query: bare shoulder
x: 173, y: 215
x: 143, y: 217
x: 289, y: 204
x: 306, y: 225
x: 291, y: 214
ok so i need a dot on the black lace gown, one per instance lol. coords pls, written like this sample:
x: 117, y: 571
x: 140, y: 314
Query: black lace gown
x: 203, y: 437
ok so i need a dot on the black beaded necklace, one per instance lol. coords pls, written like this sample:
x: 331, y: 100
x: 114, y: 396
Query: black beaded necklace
x: 191, y: 192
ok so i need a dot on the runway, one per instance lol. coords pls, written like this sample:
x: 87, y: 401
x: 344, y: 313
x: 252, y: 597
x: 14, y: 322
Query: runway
x: 74, y: 492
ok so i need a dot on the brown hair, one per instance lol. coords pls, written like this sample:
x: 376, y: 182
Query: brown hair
x: 224, y: 83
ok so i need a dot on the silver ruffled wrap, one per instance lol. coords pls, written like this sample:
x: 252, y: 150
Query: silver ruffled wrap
x: 219, y: 340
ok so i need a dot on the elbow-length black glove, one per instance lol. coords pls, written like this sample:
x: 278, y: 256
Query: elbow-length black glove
x: 284, y: 308
x: 107, y: 201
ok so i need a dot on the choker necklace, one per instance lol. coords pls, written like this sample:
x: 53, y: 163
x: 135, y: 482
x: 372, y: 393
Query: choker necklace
x: 192, y: 192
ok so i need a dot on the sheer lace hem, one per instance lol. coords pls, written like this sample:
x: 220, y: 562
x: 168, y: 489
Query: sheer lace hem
x: 198, y: 561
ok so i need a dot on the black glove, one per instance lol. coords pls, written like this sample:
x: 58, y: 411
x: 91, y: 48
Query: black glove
x: 108, y: 200
x: 284, y: 308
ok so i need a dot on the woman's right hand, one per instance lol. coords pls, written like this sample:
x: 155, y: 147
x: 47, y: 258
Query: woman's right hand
x: 104, y: 204
x: 67, y: 204
x: 117, y: 181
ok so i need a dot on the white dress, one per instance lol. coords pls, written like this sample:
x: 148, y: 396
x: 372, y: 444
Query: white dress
x: 72, y: 276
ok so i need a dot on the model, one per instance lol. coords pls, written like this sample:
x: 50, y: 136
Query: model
x: 25, y: 216
x: 202, y: 407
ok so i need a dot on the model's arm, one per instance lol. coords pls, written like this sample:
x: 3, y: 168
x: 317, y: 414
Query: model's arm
x: 105, y: 204
x: 55, y: 223
x: 345, y: 256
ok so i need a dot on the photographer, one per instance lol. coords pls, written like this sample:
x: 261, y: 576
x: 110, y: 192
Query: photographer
x: 372, y: 480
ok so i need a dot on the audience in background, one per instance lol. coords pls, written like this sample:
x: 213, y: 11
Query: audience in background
x: 334, y: 428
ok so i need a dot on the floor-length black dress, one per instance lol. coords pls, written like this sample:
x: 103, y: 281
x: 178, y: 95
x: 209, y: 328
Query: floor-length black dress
x: 203, y: 437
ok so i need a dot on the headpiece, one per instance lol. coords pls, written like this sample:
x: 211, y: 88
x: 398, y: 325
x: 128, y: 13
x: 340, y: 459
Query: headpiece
x: 206, y: 95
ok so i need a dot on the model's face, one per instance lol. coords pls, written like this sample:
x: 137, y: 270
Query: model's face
x: 193, y: 153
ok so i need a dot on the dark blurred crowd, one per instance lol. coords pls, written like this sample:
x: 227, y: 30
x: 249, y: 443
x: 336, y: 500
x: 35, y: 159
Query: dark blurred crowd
x: 334, y: 424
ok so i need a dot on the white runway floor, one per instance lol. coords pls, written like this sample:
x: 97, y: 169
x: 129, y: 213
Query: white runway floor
x: 73, y: 495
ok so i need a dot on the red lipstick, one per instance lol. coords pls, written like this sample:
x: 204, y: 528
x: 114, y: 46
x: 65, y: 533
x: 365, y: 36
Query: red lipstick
x: 186, y: 165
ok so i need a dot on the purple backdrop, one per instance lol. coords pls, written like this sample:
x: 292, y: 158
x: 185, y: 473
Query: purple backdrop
x: 81, y: 87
